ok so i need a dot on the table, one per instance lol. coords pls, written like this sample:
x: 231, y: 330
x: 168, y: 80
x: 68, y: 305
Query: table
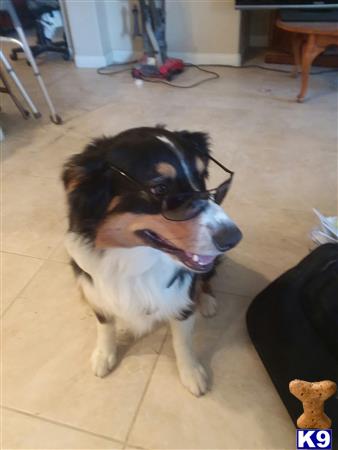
x: 309, y: 39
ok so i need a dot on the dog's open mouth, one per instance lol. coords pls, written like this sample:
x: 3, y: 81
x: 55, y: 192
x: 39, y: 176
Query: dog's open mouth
x: 197, y: 263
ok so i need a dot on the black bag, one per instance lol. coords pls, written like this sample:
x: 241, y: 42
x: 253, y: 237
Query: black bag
x: 293, y: 324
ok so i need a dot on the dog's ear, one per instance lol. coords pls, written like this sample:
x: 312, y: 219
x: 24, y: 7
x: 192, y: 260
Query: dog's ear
x: 72, y: 173
x: 81, y: 167
x: 89, y: 184
x: 199, y: 140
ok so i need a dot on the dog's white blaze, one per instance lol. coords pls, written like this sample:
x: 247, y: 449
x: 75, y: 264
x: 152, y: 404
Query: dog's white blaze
x: 215, y: 215
x: 181, y: 159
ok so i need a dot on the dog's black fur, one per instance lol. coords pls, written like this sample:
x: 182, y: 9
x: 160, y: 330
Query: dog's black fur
x: 98, y: 183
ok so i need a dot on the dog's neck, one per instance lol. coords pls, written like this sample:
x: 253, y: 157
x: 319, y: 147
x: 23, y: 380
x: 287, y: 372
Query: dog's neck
x: 127, y: 262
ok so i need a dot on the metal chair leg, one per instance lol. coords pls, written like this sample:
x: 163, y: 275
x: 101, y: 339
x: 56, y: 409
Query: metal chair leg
x: 7, y: 90
x: 55, y: 118
x: 19, y: 85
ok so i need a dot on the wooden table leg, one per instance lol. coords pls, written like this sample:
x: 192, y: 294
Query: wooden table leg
x: 309, y: 53
x: 297, y: 40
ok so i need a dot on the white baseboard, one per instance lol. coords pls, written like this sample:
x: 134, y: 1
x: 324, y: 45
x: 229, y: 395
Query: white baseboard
x: 115, y: 56
x: 89, y: 61
x: 233, y: 59
x: 121, y: 56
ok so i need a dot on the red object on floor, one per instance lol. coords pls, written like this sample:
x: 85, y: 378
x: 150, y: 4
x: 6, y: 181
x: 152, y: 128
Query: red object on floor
x: 171, y: 67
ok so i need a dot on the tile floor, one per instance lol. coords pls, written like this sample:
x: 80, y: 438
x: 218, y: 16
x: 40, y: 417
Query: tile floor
x: 285, y: 158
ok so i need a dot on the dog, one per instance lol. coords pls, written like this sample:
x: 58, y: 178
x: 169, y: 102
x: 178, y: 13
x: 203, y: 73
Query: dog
x: 144, y: 237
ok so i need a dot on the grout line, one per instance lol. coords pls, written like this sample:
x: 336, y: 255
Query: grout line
x: 61, y: 424
x: 125, y: 445
x: 48, y: 258
x: 134, y: 446
x: 25, y: 256
x: 4, y: 312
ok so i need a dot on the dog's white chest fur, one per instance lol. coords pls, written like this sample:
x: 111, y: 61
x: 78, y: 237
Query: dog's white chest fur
x: 131, y: 284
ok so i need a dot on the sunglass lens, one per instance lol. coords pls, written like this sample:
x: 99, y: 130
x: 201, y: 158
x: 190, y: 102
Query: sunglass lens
x: 222, y: 191
x: 182, y: 206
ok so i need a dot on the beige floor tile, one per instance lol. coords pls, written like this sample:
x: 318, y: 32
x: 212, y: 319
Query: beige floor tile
x: 288, y: 178
x: 21, y: 431
x: 273, y: 123
x: 285, y: 158
x: 43, y: 159
x: 273, y: 228
x: 223, y: 125
x: 273, y: 241
x: 60, y: 254
x: 32, y: 131
x: 241, y: 411
x: 84, y: 89
x: 46, y: 359
x: 28, y: 127
x: 248, y: 270
x: 109, y: 120
x: 34, y: 217
x: 16, y: 271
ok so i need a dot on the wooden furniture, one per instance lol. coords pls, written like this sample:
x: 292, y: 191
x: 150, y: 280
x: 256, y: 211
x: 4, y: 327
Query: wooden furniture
x: 279, y: 49
x: 309, y: 39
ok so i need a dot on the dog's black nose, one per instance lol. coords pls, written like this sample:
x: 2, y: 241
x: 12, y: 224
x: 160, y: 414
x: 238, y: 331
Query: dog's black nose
x: 226, y: 237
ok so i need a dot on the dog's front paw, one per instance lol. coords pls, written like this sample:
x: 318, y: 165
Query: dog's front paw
x: 208, y: 305
x: 102, y: 362
x: 194, y: 378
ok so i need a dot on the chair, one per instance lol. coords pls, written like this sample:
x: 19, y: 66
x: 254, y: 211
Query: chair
x: 6, y: 86
x: 7, y: 5
x: 41, y: 10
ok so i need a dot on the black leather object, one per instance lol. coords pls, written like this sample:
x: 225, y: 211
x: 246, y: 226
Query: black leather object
x: 293, y: 324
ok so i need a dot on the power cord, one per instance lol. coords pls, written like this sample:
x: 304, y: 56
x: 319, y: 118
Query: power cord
x: 270, y: 69
x: 109, y: 70
x: 214, y: 76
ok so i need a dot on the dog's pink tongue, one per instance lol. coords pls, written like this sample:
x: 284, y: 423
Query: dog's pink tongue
x: 202, y: 260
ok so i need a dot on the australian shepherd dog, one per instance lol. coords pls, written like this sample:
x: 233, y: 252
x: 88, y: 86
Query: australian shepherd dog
x: 144, y: 236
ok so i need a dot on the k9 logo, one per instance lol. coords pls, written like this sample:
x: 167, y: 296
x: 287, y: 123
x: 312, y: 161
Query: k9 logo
x: 314, y: 439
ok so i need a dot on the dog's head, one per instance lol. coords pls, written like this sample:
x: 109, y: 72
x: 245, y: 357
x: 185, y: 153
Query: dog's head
x: 115, y: 210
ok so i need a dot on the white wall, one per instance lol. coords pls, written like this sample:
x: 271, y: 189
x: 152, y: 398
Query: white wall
x: 199, y: 31
x: 203, y: 31
x: 86, y: 35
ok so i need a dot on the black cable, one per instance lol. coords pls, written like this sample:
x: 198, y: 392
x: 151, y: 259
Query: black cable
x: 214, y: 76
x: 270, y: 69
x: 107, y: 71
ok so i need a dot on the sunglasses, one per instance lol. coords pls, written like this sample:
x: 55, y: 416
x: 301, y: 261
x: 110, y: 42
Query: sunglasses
x: 186, y: 205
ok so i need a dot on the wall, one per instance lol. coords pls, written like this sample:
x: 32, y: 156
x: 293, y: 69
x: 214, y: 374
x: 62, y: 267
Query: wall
x: 204, y: 31
x: 86, y: 35
x: 199, y: 31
